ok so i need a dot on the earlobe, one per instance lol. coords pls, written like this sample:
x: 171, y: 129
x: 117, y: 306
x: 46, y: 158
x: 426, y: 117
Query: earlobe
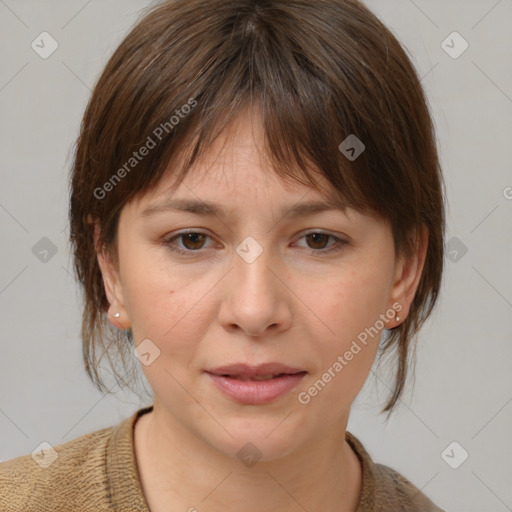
x: 117, y: 319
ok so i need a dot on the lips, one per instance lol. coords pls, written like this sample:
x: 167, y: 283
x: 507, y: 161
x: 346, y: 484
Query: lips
x: 256, y: 385
x: 265, y: 371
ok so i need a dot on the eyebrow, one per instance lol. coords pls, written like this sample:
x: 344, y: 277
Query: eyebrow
x: 210, y: 209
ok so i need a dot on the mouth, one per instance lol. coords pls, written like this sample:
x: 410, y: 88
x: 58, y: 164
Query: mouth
x: 256, y: 385
x: 257, y: 378
x: 266, y: 371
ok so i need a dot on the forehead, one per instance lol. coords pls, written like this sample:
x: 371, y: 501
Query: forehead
x: 227, y: 200
x: 235, y: 169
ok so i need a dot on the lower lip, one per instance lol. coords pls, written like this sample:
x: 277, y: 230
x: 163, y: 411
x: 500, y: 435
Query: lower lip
x: 256, y: 392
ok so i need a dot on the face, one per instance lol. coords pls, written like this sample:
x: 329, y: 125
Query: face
x: 254, y: 284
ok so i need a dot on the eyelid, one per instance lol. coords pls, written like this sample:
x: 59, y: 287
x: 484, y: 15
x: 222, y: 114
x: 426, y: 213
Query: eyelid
x: 340, y: 240
x: 166, y: 241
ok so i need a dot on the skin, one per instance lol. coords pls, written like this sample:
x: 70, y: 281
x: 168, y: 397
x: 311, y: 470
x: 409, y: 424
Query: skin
x: 291, y: 305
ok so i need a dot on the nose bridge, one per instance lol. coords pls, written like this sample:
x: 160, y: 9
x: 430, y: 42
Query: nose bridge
x: 252, y: 261
x: 254, y: 298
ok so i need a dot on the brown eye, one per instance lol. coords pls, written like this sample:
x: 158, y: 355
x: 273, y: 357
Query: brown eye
x: 190, y: 242
x: 319, y: 243
x: 193, y: 241
x: 318, y: 240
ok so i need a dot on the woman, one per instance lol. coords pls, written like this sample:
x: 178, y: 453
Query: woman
x: 257, y: 210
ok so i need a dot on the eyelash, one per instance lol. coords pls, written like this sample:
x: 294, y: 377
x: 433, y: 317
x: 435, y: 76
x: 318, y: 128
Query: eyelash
x: 338, y: 245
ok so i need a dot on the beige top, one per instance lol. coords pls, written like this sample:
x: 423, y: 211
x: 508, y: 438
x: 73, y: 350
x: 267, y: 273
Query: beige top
x: 98, y: 472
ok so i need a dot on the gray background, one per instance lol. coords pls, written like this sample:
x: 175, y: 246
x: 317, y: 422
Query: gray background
x: 463, y: 385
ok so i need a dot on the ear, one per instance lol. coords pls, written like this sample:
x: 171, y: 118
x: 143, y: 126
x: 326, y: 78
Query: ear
x: 112, y: 283
x: 408, y: 271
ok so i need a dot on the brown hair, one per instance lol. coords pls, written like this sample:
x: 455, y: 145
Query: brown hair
x: 319, y: 72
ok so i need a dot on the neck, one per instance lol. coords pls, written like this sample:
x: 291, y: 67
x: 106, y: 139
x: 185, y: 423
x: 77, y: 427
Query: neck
x: 324, y: 475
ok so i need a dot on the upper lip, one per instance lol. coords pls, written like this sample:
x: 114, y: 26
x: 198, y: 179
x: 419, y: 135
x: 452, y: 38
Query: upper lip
x: 245, y: 370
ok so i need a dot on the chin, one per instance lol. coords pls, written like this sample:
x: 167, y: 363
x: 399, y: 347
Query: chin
x: 263, y: 438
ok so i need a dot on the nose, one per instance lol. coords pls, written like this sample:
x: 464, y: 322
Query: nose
x: 256, y: 300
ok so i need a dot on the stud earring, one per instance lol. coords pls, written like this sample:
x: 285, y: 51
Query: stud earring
x: 397, y: 318
x: 117, y: 315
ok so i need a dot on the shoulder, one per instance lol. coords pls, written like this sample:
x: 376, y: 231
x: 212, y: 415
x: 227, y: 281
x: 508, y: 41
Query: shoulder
x: 384, y: 489
x: 393, y: 488
x: 65, y: 476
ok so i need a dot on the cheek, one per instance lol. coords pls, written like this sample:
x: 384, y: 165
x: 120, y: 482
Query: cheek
x: 355, y: 301
x: 346, y: 351
x: 350, y: 309
x: 166, y: 307
x: 163, y: 311
x: 149, y: 288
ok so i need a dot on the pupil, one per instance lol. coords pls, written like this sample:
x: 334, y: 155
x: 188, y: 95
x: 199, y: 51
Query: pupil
x: 317, y: 238
x: 193, y: 238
